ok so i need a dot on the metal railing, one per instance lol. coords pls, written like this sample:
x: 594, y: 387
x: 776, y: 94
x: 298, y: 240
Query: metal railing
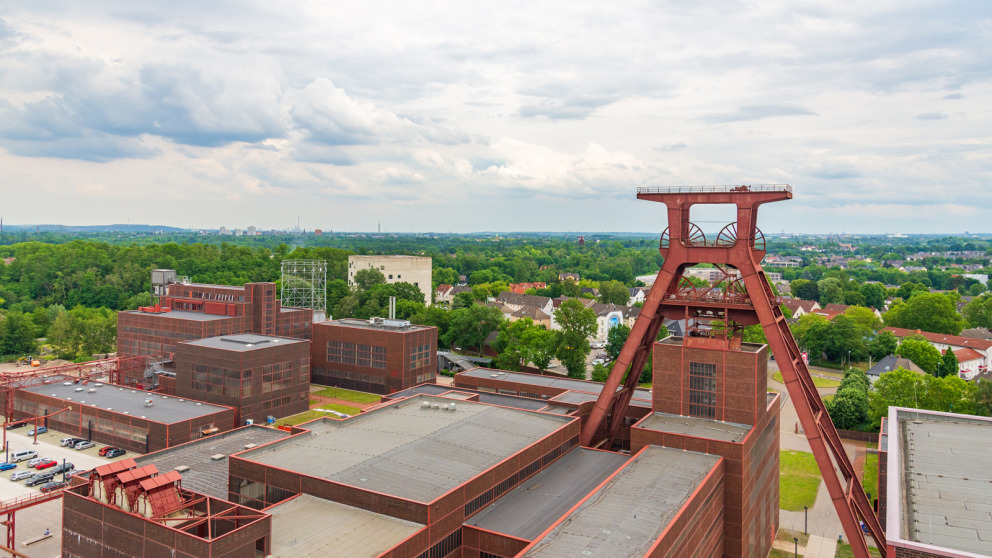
x: 714, y: 189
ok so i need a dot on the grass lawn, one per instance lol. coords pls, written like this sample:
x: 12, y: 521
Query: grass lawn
x: 349, y: 395
x: 776, y: 553
x: 314, y: 401
x: 870, y: 478
x: 342, y: 409
x: 827, y: 398
x: 787, y: 536
x: 305, y: 416
x: 799, y: 479
x: 844, y: 551
x: 817, y: 381
x: 644, y: 385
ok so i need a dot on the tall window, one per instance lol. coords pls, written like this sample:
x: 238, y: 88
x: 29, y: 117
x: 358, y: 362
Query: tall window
x: 702, y: 389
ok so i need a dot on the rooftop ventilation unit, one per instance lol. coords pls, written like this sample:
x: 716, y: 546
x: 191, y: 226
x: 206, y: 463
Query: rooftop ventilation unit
x: 67, y: 383
x: 149, y: 402
x: 217, y: 457
x: 249, y: 446
x: 79, y: 389
x: 182, y: 468
x: 425, y: 405
x: 91, y: 390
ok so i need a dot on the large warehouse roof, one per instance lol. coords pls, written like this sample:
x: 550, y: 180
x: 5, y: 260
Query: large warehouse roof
x: 164, y: 409
x: 405, y: 450
x: 625, y: 517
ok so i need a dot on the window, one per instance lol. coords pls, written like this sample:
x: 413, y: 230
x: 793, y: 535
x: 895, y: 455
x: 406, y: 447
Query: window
x: 276, y: 376
x: 420, y: 356
x: 369, y: 356
x: 390, y: 275
x: 702, y: 389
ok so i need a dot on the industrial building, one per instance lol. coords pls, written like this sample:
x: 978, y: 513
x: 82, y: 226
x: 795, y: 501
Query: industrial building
x: 132, y: 419
x: 415, y: 270
x: 377, y: 355
x: 258, y: 375
x: 190, y: 311
x: 936, y: 484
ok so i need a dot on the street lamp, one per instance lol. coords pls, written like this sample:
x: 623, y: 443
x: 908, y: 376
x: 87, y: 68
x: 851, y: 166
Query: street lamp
x: 796, y: 539
x: 805, y: 520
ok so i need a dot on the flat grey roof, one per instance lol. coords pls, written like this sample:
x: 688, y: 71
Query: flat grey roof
x: 206, y: 475
x: 548, y: 381
x: 184, y: 315
x: 364, y: 324
x: 945, y: 469
x: 745, y: 347
x: 404, y: 450
x: 527, y: 510
x: 627, y: 516
x: 310, y: 526
x: 695, y: 426
x: 243, y: 342
x: 513, y: 401
x: 165, y: 409
x: 578, y: 397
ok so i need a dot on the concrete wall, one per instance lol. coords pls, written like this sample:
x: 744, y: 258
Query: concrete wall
x: 415, y: 270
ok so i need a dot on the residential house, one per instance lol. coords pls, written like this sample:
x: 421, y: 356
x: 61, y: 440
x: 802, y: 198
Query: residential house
x: 516, y: 301
x: 942, y: 341
x: 521, y: 288
x: 798, y: 306
x: 610, y: 315
x: 970, y: 363
x: 442, y: 295
x: 889, y: 364
x: 841, y: 308
x: 977, y: 333
x: 568, y: 277
x: 637, y: 294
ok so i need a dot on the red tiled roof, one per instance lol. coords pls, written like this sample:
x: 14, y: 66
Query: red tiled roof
x: 966, y: 355
x: 137, y: 474
x: 979, y: 344
x: 115, y: 467
x: 161, y: 480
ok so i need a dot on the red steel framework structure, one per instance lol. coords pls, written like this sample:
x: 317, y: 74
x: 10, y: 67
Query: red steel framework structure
x: 739, y: 302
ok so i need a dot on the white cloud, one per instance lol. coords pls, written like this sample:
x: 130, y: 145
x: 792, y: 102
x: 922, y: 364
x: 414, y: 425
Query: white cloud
x: 871, y: 111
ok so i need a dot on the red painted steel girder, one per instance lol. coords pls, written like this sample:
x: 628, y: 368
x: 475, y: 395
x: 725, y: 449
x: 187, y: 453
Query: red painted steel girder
x: 682, y: 248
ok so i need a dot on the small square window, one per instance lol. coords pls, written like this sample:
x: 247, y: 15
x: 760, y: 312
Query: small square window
x: 390, y: 276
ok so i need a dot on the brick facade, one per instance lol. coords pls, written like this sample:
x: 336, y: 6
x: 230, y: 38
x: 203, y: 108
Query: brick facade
x: 355, y: 354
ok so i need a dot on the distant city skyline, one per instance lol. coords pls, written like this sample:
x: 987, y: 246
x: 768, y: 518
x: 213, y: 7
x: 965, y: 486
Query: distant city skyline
x: 446, y: 116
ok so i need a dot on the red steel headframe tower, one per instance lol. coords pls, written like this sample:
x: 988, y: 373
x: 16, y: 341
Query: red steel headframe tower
x: 740, y: 302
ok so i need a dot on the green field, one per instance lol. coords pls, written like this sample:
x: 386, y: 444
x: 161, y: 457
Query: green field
x: 305, y: 416
x: 844, y: 551
x: 349, y: 395
x: 799, y: 479
x: 870, y: 478
x: 342, y: 409
x: 817, y: 381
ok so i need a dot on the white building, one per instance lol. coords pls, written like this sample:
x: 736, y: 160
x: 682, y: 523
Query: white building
x: 415, y: 270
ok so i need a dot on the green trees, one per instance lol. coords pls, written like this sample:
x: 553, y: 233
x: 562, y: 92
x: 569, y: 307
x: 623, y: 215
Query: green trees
x: 522, y: 342
x: 17, y: 334
x: 615, y: 338
x: 849, y: 408
x: 949, y: 365
x: 883, y: 344
x: 902, y: 388
x: 365, y: 279
x: 978, y: 312
x: 577, y: 324
x: 921, y: 352
x: 874, y: 295
x: 932, y: 312
x: 469, y: 327
x: 82, y: 332
x: 804, y: 289
x: 831, y: 291
x: 613, y: 292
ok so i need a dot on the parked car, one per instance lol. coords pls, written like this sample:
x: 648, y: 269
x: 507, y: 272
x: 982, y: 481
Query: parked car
x: 34, y: 462
x: 68, y: 442
x: 105, y: 449
x: 63, y: 467
x: 23, y: 455
x: 85, y: 444
x: 116, y: 452
x: 40, y: 430
x: 55, y: 485
x: 40, y: 478
x: 47, y: 464
x: 21, y: 475
x: 16, y: 425
x: 7, y: 466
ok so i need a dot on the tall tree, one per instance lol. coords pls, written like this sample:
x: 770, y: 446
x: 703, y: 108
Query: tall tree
x: 978, y: 312
x: 921, y: 352
x: 882, y: 344
x: 469, y: 327
x: 874, y: 295
x: 577, y: 324
x: 804, y: 289
x: 368, y: 278
x: 613, y: 292
x: 831, y: 291
x: 949, y: 365
x: 931, y: 312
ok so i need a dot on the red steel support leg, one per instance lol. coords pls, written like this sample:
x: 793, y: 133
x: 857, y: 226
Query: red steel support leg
x: 632, y: 356
x: 845, y: 489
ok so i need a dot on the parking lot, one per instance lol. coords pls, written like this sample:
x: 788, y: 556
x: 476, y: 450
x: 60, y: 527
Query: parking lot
x: 47, y: 446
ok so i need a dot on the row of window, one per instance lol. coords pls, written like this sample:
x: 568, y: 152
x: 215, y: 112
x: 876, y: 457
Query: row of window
x: 357, y: 354
x: 420, y: 356
x: 702, y: 389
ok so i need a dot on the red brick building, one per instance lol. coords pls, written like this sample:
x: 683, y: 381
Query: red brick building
x: 378, y: 356
x: 258, y: 375
x: 190, y: 311
x: 712, y: 398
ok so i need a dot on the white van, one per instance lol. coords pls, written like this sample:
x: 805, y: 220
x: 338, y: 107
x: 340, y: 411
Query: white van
x: 22, y: 455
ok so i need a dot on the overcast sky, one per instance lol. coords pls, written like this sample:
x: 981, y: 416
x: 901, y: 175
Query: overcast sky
x: 469, y: 116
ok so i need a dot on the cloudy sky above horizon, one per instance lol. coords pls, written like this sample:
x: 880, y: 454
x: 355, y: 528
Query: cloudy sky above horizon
x: 453, y: 116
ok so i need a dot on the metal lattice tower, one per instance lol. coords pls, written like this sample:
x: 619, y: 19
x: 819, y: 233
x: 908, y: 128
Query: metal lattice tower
x: 304, y: 285
x: 748, y: 300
